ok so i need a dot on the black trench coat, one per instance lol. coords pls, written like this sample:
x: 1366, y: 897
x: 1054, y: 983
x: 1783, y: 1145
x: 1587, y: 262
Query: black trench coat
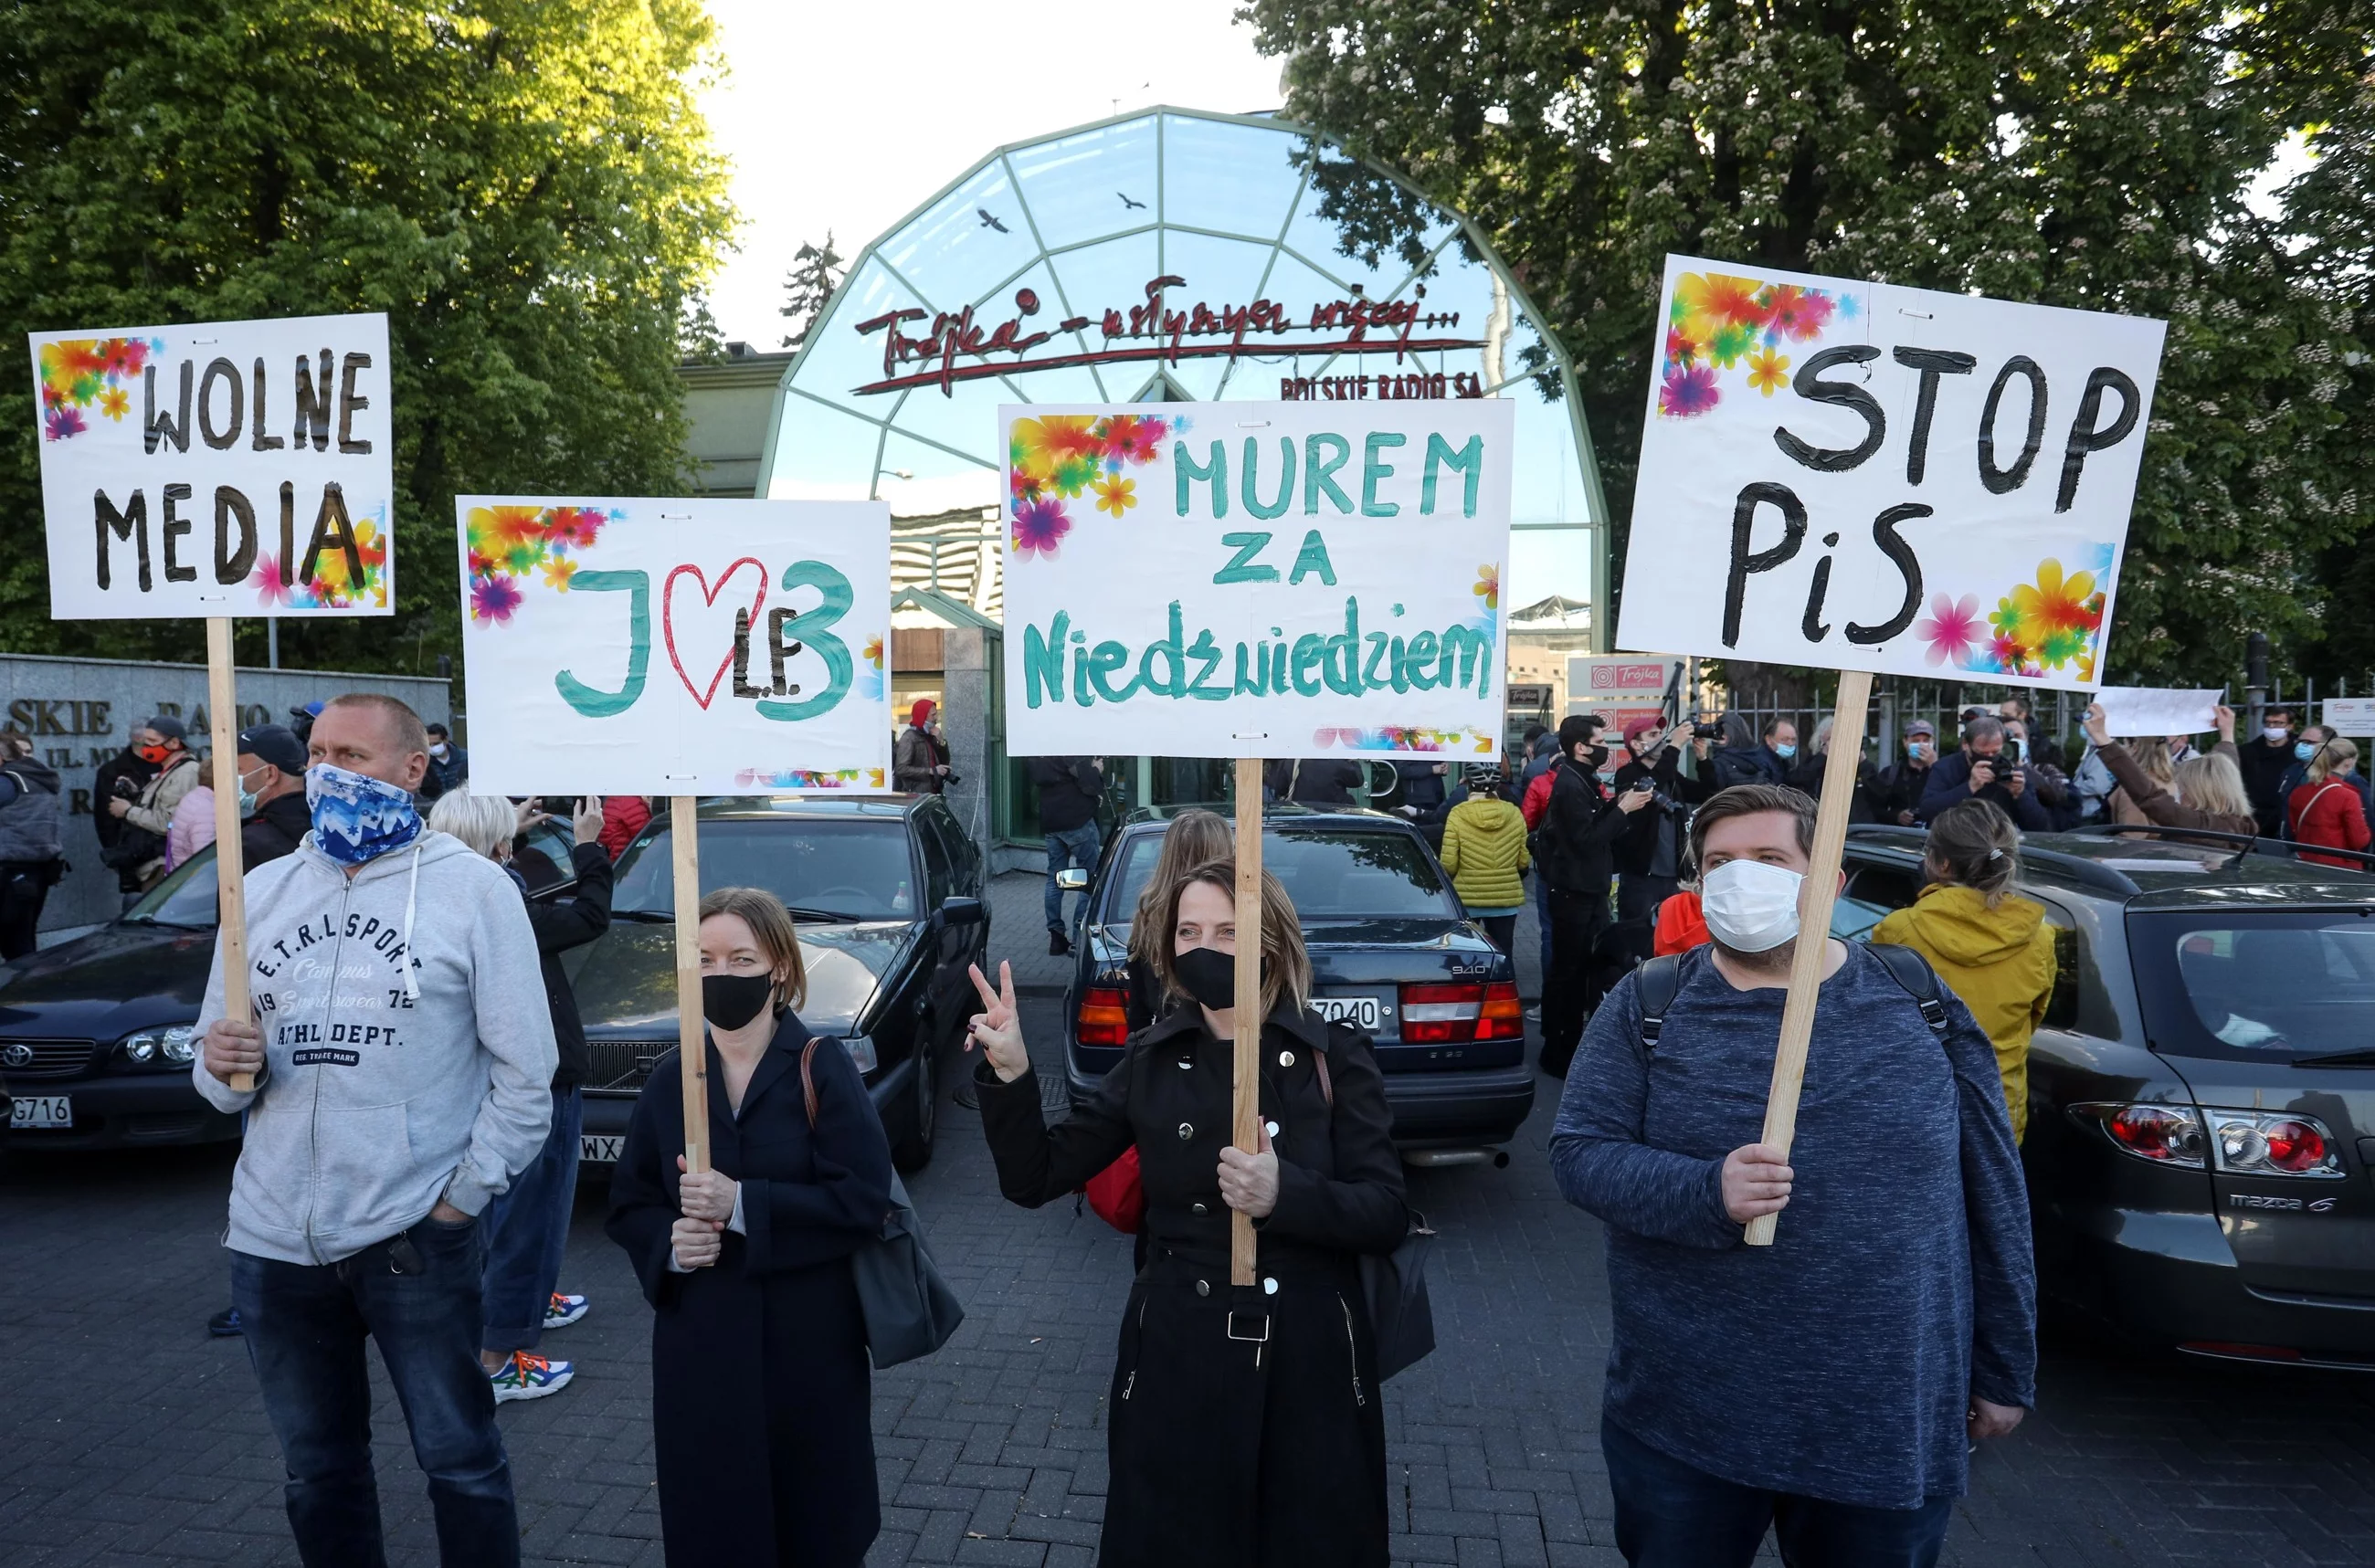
x: 761, y: 1399
x: 1243, y: 1427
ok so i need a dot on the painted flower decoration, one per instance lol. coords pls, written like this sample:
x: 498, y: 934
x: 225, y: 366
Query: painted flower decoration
x: 1953, y: 629
x: 115, y: 403
x: 1040, y: 527
x: 62, y: 423
x: 557, y: 573
x: 1768, y: 372
x: 1115, y: 495
x: 873, y: 653
x: 89, y: 372
x: 492, y: 600
x: 1689, y: 390
x: 266, y: 582
x: 1488, y: 585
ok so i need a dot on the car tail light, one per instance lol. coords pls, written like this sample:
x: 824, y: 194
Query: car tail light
x: 2273, y: 1143
x: 1439, y: 1015
x: 2165, y: 1135
x: 1104, y: 1017
x: 1504, y: 1017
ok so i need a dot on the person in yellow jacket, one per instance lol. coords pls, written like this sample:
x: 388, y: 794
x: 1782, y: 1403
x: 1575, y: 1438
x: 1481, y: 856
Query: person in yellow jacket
x: 1484, y: 851
x: 1992, y: 948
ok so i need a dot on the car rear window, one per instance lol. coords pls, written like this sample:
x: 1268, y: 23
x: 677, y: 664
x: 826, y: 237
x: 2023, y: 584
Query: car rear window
x: 854, y: 870
x: 2257, y: 986
x: 1348, y: 874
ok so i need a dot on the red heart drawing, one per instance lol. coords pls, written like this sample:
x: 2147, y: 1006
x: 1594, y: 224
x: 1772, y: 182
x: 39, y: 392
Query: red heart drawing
x: 708, y: 597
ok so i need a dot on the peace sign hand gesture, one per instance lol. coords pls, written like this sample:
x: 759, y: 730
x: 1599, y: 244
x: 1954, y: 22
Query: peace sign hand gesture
x: 996, y: 1028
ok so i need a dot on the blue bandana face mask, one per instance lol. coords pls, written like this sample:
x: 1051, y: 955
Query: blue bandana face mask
x: 356, y: 817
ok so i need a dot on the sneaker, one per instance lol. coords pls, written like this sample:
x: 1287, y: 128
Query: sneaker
x: 1534, y: 1013
x: 562, y: 1311
x: 224, y: 1325
x: 526, y: 1376
x: 1058, y: 945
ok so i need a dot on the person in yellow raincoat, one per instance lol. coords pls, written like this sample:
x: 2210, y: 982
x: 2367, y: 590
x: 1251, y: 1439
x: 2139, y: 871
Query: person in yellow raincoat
x: 1990, y: 946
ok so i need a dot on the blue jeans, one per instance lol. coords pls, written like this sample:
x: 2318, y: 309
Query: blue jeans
x: 1542, y: 922
x: 1670, y: 1514
x: 527, y: 1227
x: 417, y: 1294
x: 1074, y: 846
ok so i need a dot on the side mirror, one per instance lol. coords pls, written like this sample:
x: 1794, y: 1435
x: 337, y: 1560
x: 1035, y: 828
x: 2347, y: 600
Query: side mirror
x: 1072, y: 880
x: 959, y: 911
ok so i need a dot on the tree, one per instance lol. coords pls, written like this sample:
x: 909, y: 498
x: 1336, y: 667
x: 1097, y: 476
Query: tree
x: 809, y: 287
x: 2096, y: 154
x: 524, y: 186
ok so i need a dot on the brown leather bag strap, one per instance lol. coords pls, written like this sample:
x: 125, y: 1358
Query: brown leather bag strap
x: 807, y: 1080
x: 1327, y: 1087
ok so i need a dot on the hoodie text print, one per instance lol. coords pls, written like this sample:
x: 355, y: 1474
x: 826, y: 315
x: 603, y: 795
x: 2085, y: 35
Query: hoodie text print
x: 408, y: 1051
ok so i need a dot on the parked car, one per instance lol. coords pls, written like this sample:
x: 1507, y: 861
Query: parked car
x: 887, y: 891
x: 97, y: 1034
x: 2202, y: 1094
x: 1392, y: 952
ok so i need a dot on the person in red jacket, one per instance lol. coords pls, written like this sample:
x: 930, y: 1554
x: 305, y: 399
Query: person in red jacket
x: 1681, y: 924
x: 624, y: 816
x: 2325, y: 809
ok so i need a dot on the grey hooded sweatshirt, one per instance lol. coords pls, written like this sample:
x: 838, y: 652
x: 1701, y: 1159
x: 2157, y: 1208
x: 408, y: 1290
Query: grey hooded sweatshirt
x: 408, y: 1049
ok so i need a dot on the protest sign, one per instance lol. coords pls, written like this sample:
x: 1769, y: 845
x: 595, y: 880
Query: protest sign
x: 219, y: 469
x: 675, y: 647
x: 1871, y: 478
x: 679, y: 648
x: 213, y: 469
x: 1857, y: 476
x: 2353, y: 716
x: 1256, y: 579
x: 2159, y: 711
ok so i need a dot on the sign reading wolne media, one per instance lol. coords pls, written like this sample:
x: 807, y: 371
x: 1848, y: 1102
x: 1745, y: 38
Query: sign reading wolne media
x: 1256, y: 579
x: 1856, y: 476
x: 227, y: 468
x: 675, y: 647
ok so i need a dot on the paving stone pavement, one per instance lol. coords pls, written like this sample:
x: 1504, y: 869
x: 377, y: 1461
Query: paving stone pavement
x: 126, y: 1436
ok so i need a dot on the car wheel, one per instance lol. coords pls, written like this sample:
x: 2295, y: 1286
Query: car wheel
x: 914, y: 1149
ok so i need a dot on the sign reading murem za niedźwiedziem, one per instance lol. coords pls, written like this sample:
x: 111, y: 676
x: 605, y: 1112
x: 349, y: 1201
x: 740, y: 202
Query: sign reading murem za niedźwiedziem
x: 1256, y: 579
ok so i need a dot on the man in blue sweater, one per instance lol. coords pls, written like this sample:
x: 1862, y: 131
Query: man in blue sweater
x: 1826, y: 1386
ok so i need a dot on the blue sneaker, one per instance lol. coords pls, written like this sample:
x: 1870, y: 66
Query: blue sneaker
x: 526, y: 1376
x: 562, y: 1311
x: 224, y: 1325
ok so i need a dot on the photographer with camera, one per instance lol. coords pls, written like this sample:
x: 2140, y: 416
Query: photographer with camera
x: 1987, y: 767
x: 1650, y: 856
x: 920, y: 762
x: 138, y: 853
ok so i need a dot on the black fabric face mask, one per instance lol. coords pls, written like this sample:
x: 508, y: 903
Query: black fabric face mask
x: 1209, y: 976
x: 729, y: 1001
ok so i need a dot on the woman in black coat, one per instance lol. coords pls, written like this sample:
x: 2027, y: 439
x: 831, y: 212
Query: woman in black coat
x: 759, y: 1376
x: 1245, y: 1426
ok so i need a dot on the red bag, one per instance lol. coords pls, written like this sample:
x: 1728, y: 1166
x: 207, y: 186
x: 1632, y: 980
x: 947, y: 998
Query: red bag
x: 1537, y: 802
x: 1117, y: 1195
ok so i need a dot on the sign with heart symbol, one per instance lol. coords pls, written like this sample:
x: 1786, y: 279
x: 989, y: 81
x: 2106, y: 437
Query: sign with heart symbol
x: 709, y: 634
x: 774, y: 618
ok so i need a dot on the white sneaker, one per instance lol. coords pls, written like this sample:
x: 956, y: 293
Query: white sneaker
x: 526, y: 1376
x: 562, y: 1311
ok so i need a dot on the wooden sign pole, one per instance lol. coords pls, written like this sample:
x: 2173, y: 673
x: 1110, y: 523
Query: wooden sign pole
x: 692, y: 1053
x: 230, y: 870
x: 1814, y: 924
x: 1245, y: 1122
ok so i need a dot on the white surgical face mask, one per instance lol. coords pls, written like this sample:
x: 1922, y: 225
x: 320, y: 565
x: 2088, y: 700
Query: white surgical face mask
x: 1749, y: 906
x: 2276, y: 734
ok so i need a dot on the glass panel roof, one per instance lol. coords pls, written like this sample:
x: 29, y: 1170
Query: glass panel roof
x: 1168, y: 255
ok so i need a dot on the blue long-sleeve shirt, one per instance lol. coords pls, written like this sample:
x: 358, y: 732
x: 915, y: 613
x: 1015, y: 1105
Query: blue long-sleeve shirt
x: 1840, y: 1361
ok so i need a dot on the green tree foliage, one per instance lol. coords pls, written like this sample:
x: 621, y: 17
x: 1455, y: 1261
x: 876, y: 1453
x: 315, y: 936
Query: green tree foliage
x: 817, y: 271
x: 524, y: 186
x: 2098, y: 153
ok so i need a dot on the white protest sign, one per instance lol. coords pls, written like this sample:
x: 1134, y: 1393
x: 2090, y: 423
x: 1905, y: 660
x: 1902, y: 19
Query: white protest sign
x: 2157, y: 710
x: 1856, y: 476
x: 675, y: 647
x: 2348, y: 715
x: 224, y: 468
x: 1256, y: 579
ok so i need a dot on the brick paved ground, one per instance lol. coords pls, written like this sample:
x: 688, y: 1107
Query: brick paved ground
x: 127, y: 1437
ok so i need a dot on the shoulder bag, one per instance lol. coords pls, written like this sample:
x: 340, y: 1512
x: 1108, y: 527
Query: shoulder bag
x: 910, y: 1311
x: 1393, y: 1287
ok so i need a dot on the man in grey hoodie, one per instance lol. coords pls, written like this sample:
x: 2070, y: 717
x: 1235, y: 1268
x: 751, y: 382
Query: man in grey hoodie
x: 402, y: 1051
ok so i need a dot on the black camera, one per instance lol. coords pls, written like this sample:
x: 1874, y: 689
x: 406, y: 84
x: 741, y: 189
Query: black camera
x: 1706, y: 732
x: 2012, y: 750
x: 124, y: 789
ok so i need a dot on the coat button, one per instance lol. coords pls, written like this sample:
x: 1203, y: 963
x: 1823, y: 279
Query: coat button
x: 1203, y: 1288
x: 1187, y: 1131
x: 1198, y: 1208
x: 1286, y: 1058
x: 1272, y: 1126
x: 1269, y: 1287
x: 1185, y: 1062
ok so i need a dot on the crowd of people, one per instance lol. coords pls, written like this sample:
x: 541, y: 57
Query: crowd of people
x: 413, y: 1061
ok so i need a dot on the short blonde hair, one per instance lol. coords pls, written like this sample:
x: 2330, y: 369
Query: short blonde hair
x: 2213, y: 782
x: 778, y: 935
x: 1287, y: 964
x: 485, y: 823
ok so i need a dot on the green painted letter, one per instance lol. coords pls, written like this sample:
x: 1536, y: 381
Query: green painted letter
x: 1185, y: 467
x: 1375, y: 469
x: 596, y: 704
x: 1469, y: 459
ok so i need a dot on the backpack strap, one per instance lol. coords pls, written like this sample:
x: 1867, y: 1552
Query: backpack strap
x: 1912, y: 971
x: 1655, y: 985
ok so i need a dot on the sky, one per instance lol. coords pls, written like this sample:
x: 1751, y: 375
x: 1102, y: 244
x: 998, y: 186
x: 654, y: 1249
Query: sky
x: 909, y: 95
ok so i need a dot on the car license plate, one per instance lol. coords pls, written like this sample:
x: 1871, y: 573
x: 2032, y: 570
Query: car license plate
x: 42, y: 1111
x: 1361, y: 1012
x: 599, y: 1148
